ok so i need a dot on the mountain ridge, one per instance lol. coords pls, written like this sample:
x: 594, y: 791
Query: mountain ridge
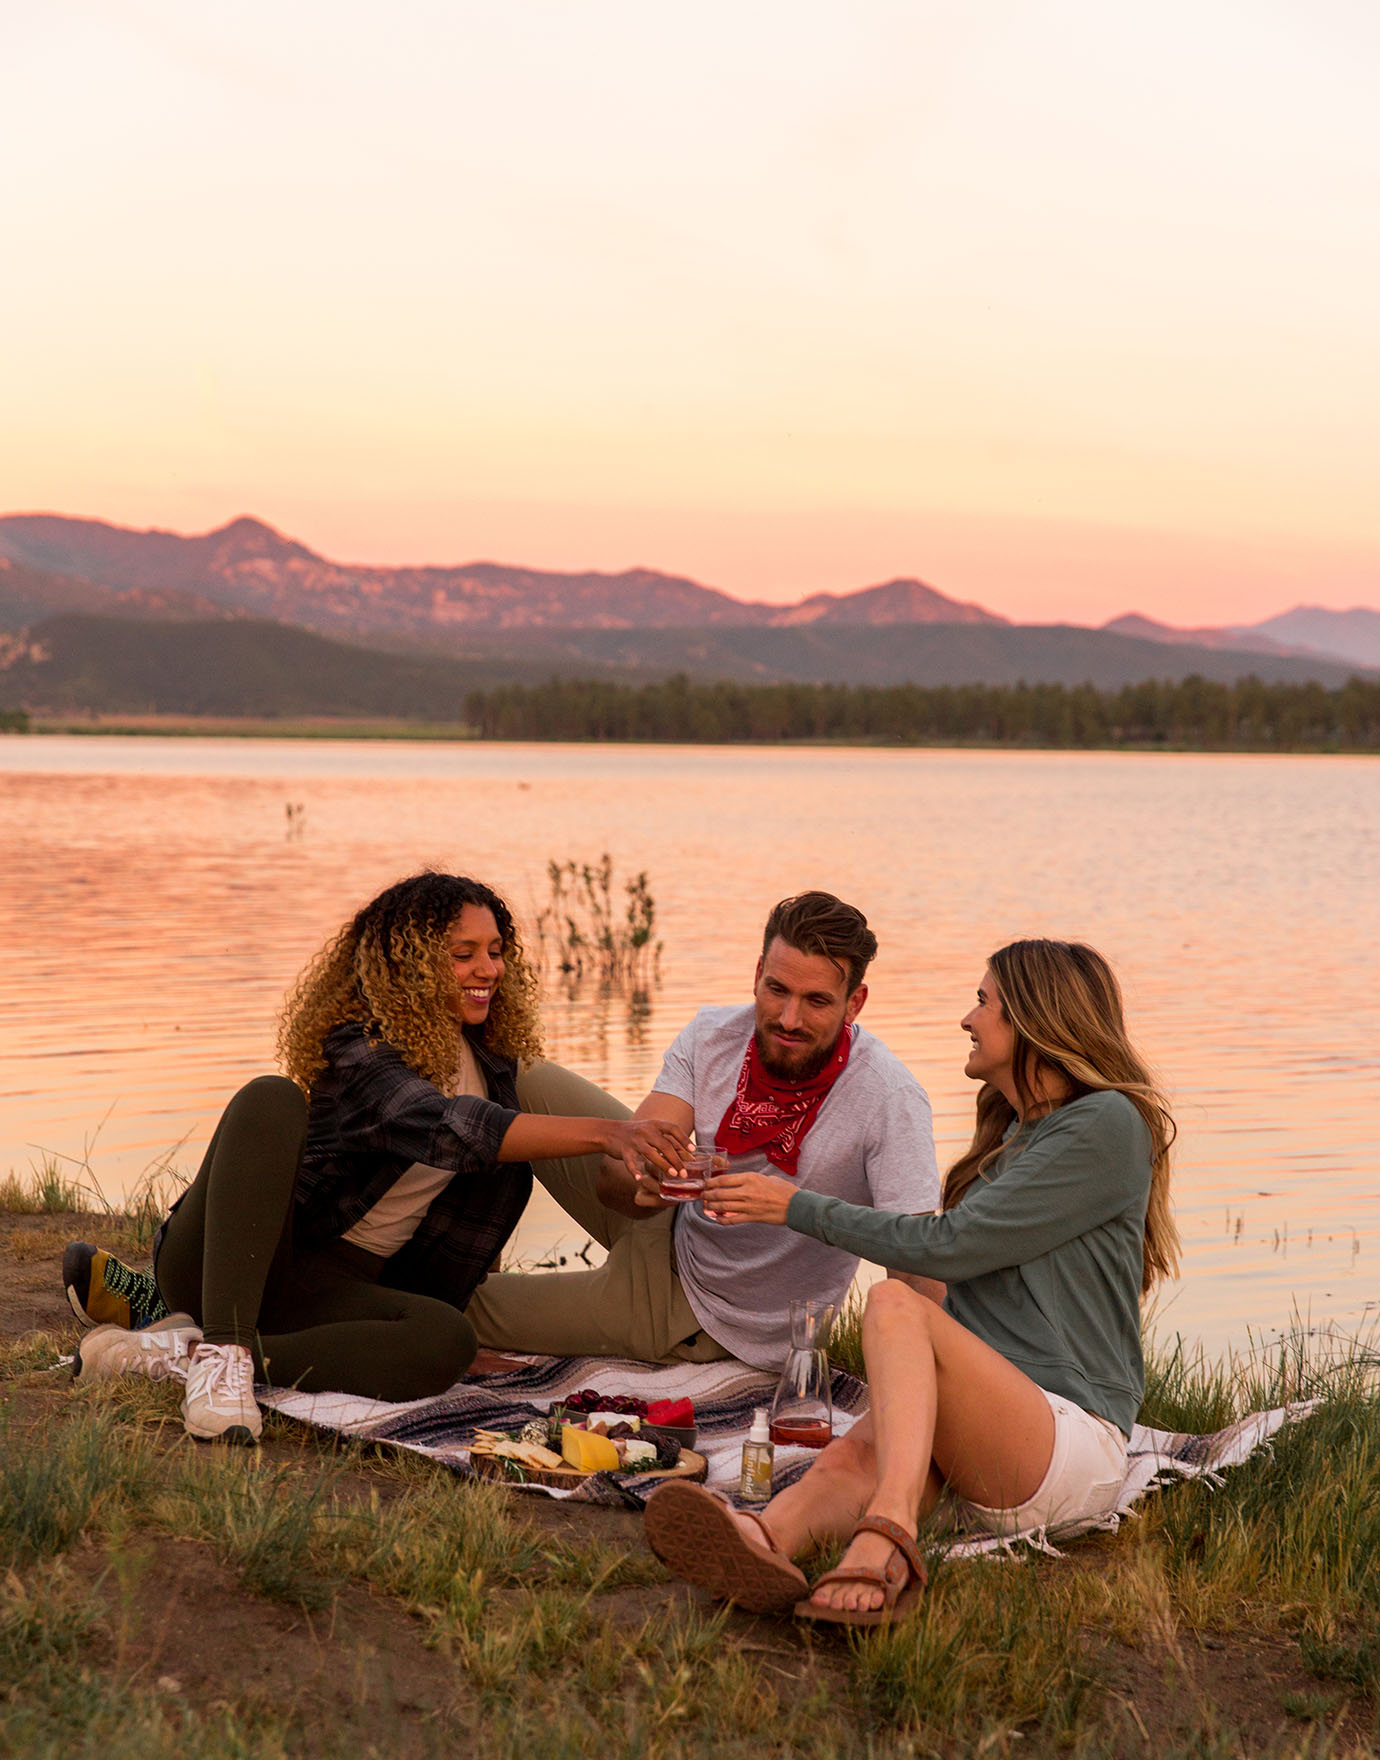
x: 79, y: 663
x: 1324, y: 631
x: 1151, y: 629
x: 247, y: 567
x: 50, y: 563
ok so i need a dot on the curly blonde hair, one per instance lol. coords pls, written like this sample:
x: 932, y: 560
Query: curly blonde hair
x: 389, y: 968
x: 1064, y: 1004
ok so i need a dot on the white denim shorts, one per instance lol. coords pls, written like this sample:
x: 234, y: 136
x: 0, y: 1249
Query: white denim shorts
x: 1085, y: 1475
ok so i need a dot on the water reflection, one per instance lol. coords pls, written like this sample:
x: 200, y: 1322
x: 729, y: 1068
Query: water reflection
x: 157, y: 897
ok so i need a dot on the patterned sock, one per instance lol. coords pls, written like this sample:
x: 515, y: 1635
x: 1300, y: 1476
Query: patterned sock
x: 103, y: 1290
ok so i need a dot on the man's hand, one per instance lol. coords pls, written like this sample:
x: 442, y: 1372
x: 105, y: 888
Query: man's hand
x: 748, y: 1197
x: 627, y: 1194
x: 648, y: 1194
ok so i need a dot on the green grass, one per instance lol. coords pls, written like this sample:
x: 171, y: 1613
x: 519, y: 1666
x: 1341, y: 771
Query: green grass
x: 566, y: 1646
x: 1185, y: 1391
x: 1300, y: 1528
x: 266, y: 1525
x: 845, y: 1336
x: 50, y: 1495
x: 989, y: 1644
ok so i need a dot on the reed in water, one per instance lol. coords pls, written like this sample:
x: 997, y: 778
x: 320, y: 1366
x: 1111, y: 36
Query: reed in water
x: 585, y: 931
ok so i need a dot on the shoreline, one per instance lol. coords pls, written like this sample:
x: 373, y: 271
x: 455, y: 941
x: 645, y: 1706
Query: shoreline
x: 461, y: 733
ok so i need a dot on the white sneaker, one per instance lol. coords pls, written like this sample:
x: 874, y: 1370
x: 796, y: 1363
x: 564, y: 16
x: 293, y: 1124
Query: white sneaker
x: 219, y: 1401
x: 158, y: 1351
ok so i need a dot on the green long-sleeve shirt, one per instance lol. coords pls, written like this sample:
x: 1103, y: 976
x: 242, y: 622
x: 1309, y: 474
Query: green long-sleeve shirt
x: 1043, y: 1258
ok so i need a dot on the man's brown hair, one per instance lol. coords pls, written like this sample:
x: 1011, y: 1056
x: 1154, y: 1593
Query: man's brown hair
x: 817, y: 922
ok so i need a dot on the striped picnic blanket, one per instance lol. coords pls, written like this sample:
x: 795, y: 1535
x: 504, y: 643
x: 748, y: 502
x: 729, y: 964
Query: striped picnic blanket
x: 725, y: 1394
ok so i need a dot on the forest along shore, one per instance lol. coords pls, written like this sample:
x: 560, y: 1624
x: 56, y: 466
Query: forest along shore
x: 1194, y: 714
x: 313, y: 1598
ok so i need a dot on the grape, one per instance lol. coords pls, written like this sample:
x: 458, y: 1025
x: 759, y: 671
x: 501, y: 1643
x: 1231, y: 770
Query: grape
x: 589, y: 1400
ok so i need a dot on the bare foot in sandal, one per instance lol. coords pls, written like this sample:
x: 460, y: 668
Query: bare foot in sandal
x: 873, y: 1552
x: 879, y: 1577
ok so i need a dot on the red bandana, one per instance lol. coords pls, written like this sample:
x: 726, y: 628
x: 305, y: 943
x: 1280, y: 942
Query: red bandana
x: 773, y: 1116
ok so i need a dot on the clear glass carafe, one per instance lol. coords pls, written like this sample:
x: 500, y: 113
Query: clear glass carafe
x: 802, y: 1411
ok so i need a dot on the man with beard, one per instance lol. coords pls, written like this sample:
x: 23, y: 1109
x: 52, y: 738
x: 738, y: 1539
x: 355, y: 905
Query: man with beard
x: 789, y: 1083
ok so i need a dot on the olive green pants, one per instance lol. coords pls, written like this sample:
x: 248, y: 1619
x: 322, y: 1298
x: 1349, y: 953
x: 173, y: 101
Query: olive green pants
x: 630, y: 1306
x: 320, y: 1321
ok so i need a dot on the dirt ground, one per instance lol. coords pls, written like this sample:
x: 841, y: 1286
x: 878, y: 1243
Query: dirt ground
x: 187, y: 1627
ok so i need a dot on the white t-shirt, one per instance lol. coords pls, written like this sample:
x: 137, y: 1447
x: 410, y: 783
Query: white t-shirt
x: 872, y: 1142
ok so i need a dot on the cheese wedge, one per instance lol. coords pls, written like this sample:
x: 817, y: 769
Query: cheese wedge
x: 586, y: 1452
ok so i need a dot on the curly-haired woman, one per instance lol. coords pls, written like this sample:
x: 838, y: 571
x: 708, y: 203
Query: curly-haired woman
x: 345, y: 1213
x: 1016, y: 1397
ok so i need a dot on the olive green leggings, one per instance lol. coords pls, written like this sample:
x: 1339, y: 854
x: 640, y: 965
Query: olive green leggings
x: 319, y: 1321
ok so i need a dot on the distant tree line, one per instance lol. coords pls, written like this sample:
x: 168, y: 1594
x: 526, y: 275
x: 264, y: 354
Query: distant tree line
x: 1195, y: 713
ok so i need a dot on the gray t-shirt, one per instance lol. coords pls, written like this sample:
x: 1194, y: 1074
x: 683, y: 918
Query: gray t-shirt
x: 872, y: 1142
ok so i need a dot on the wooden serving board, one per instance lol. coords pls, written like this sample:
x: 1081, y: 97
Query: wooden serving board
x: 691, y: 1466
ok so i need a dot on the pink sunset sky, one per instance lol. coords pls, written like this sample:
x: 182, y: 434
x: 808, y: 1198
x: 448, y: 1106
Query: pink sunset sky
x: 1062, y: 305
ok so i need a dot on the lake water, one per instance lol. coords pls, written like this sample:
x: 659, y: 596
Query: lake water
x: 156, y: 898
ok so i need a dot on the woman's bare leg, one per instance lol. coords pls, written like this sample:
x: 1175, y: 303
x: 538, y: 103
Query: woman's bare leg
x: 825, y: 1504
x: 946, y: 1408
x: 943, y: 1399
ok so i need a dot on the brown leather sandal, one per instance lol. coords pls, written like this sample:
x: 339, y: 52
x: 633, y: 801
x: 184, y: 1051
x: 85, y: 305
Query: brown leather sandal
x: 902, y: 1588
x: 693, y: 1533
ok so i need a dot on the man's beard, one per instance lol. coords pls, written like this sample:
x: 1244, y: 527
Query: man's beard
x: 794, y: 1072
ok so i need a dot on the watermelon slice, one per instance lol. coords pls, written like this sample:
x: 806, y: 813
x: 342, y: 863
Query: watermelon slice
x: 672, y: 1414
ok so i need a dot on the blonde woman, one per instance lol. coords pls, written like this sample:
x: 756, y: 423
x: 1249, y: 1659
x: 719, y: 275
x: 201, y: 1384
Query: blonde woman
x: 345, y: 1213
x: 1017, y: 1395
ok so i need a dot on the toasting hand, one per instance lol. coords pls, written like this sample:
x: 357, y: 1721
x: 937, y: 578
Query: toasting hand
x: 748, y: 1197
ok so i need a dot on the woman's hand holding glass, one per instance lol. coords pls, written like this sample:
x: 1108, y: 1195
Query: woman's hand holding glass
x: 647, y: 1143
x: 748, y: 1197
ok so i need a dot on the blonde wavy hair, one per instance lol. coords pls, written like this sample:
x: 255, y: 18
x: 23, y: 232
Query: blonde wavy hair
x: 1064, y: 1005
x: 390, y: 969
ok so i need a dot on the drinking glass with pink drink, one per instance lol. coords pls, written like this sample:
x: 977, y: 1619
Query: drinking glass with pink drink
x: 687, y: 1184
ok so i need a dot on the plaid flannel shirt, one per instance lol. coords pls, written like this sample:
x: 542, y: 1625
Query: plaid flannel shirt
x: 369, y: 1118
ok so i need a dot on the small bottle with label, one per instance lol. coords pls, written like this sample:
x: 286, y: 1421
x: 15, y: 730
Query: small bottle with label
x: 754, y: 1483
